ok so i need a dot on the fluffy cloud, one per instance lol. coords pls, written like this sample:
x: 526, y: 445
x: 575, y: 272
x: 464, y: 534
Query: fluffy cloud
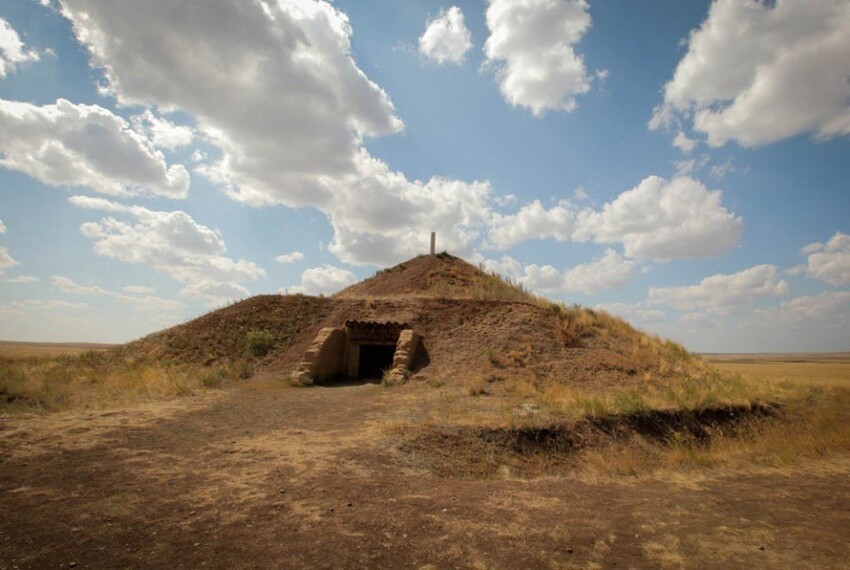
x: 531, y: 45
x: 829, y: 306
x: 84, y: 145
x: 274, y: 86
x: 758, y: 72
x: 608, y: 272
x: 812, y: 322
x: 830, y: 262
x: 162, y: 132
x: 446, y: 38
x: 533, y: 221
x: 381, y: 218
x: 23, y: 279
x: 660, y: 220
x: 679, y: 219
x: 23, y: 307
x: 170, y: 242
x: 143, y: 301
x: 137, y: 290
x: 683, y: 143
x: 12, y: 52
x: 67, y: 285
x: 6, y: 260
x: 506, y: 266
x: 324, y: 280
x: 723, y: 293
x: 291, y: 257
x: 214, y: 293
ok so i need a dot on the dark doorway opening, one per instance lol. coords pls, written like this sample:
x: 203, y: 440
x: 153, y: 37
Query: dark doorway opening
x: 374, y: 360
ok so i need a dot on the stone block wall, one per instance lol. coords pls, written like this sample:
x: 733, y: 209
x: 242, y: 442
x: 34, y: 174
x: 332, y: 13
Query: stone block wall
x: 408, y: 344
x: 325, y: 357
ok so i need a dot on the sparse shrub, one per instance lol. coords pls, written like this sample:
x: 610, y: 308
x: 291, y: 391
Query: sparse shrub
x: 436, y: 382
x: 676, y: 351
x: 179, y: 381
x: 630, y: 403
x: 259, y: 342
x: 387, y: 378
x: 214, y: 378
x: 476, y: 386
x: 493, y: 358
x: 244, y: 369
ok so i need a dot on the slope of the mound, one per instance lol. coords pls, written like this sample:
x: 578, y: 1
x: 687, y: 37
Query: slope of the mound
x: 496, y: 342
x: 224, y: 335
x: 475, y: 326
x: 501, y: 342
x: 440, y: 276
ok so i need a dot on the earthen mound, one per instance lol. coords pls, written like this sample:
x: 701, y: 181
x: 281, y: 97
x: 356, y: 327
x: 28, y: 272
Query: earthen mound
x: 473, y: 326
x: 439, y: 276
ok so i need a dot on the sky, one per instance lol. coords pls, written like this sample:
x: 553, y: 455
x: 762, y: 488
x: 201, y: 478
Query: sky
x: 684, y: 165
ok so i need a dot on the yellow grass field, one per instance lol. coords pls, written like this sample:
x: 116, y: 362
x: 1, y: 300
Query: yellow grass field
x: 11, y: 349
x: 824, y: 369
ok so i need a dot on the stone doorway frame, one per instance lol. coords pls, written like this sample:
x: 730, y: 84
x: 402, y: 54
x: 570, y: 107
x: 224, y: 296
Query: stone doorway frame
x: 335, y: 352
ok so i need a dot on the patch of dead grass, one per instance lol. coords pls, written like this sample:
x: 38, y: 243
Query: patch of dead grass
x: 96, y: 380
x: 812, y: 423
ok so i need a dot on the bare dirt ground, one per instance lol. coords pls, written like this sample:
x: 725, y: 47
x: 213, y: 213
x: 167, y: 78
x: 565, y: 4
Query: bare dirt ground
x: 269, y: 477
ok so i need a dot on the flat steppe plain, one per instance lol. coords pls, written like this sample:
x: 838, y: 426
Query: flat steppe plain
x: 266, y: 476
x: 46, y: 349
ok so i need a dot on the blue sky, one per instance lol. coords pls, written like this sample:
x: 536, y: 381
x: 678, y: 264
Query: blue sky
x: 681, y: 164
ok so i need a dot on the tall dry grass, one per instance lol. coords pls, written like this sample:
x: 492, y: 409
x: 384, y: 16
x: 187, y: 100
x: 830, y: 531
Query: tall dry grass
x: 99, y: 380
x: 810, y: 428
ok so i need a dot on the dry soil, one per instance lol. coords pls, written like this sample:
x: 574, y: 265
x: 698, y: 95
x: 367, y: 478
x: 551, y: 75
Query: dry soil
x: 269, y: 477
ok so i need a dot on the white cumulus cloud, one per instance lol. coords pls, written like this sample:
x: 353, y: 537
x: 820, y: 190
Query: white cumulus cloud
x: 324, y: 280
x: 162, y: 132
x: 170, y: 242
x: 146, y: 302
x: 534, y: 221
x: 84, y: 145
x: 810, y: 322
x: 274, y: 86
x: 214, y: 293
x: 661, y: 220
x: 6, y: 260
x: 137, y: 290
x: 532, y: 47
x: 758, y: 72
x: 291, y: 257
x: 658, y: 220
x: 683, y: 143
x: 723, y: 293
x: 828, y: 306
x: 609, y: 271
x: 23, y: 279
x: 446, y: 38
x: 830, y: 262
x: 12, y: 52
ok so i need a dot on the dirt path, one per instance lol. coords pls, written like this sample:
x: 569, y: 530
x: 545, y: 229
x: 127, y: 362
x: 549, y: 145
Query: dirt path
x: 311, y: 478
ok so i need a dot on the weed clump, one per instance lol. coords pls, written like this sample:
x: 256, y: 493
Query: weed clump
x: 259, y: 342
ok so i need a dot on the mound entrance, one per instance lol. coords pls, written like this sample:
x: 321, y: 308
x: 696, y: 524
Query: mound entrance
x: 360, y: 350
